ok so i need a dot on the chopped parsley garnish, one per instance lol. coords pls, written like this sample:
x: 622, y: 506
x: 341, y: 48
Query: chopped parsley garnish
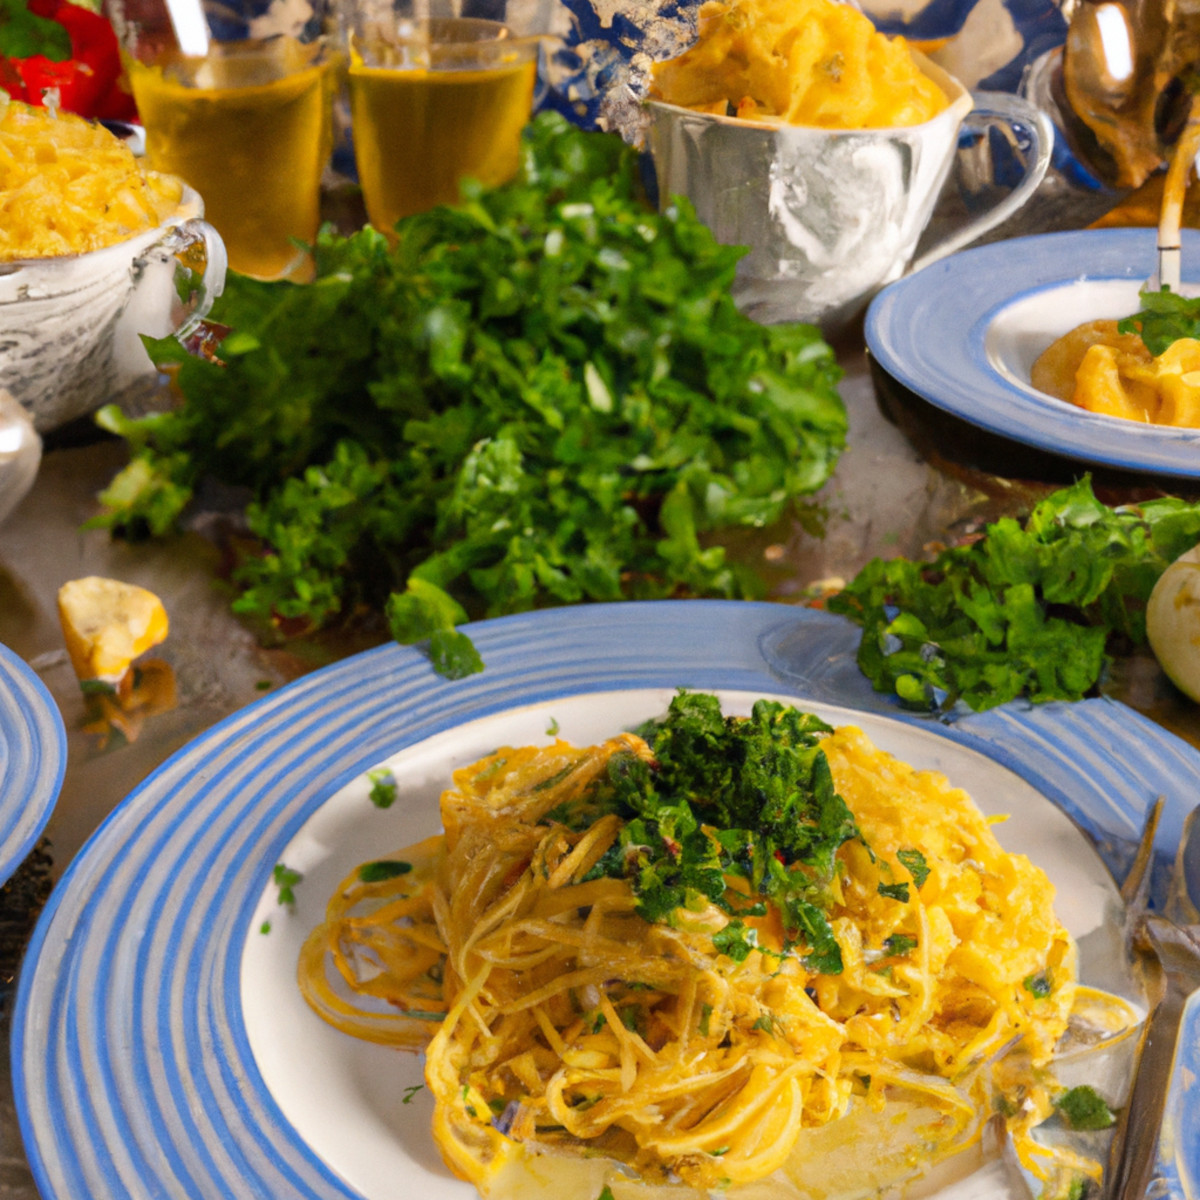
x: 894, y: 891
x: 735, y: 941
x: 1084, y: 1108
x: 605, y: 1193
x: 410, y: 1092
x: 383, y: 787
x: 378, y: 872
x: 1027, y: 609
x: 265, y: 927
x: 705, y: 1017
x: 552, y: 728
x: 286, y: 880
x: 899, y: 943
x: 918, y: 868
x: 749, y: 797
x: 1038, y: 985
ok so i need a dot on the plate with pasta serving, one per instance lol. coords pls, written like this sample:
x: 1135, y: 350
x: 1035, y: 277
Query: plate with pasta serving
x: 628, y: 912
x: 966, y: 334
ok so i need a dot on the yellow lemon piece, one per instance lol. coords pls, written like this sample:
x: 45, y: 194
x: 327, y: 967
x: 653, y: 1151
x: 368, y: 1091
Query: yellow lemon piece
x: 107, y: 624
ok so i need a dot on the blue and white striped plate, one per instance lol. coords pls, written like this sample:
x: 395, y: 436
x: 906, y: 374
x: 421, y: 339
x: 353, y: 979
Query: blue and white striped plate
x: 159, y: 1049
x: 33, y: 756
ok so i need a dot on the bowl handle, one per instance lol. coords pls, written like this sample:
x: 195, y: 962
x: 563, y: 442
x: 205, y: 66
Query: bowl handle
x: 1030, y: 132
x: 201, y: 263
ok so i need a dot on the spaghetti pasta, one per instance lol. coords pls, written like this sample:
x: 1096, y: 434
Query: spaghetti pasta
x: 683, y: 950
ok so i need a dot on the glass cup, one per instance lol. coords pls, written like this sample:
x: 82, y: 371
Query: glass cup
x: 432, y: 101
x: 237, y: 101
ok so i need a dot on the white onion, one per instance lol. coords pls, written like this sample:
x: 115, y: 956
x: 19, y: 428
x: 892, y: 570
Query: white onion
x: 1173, y: 622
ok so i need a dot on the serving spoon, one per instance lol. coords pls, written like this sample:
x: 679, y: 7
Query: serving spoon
x: 1170, y: 249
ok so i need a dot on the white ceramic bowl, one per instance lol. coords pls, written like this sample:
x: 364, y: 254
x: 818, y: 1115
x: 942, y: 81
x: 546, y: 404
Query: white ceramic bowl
x: 70, y: 325
x: 831, y: 215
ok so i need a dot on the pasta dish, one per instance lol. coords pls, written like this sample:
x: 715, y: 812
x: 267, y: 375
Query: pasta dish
x: 797, y: 62
x: 688, y: 950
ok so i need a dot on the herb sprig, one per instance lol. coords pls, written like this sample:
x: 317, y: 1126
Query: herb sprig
x: 1029, y: 609
x: 544, y: 396
x: 1164, y: 318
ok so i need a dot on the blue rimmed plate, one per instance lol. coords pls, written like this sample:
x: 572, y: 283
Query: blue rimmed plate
x: 33, y: 757
x: 159, y: 1044
x: 964, y: 333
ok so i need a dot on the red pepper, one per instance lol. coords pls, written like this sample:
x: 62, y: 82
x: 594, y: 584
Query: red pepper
x: 90, y: 82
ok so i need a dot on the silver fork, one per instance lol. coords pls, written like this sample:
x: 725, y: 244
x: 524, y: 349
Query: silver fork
x: 1169, y: 946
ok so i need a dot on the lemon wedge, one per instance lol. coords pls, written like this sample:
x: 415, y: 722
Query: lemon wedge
x: 107, y: 624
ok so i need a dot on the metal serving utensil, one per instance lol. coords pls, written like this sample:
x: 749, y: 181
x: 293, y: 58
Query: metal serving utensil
x: 1169, y: 945
x: 1004, y: 1171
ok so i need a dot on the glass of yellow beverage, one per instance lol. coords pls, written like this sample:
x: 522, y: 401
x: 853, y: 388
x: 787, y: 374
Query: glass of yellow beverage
x: 240, y: 107
x: 434, y: 101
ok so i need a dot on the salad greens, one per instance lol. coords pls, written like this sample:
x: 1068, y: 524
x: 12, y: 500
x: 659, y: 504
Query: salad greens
x: 1165, y: 317
x: 726, y: 796
x: 542, y: 396
x: 1029, y: 609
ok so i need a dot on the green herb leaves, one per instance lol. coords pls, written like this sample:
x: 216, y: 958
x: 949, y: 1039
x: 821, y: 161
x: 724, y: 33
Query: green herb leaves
x: 1039, y: 986
x: 285, y: 880
x: 383, y: 787
x: 541, y: 397
x: 1026, y: 610
x: 1084, y: 1108
x: 24, y: 33
x: 1165, y: 317
x: 915, y: 862
x: 749, y: 797
x: 383, y: 870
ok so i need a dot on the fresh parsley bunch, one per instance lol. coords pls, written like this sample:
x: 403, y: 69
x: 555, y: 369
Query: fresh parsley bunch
x: 1028, y: 609
x: 543, y: 396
